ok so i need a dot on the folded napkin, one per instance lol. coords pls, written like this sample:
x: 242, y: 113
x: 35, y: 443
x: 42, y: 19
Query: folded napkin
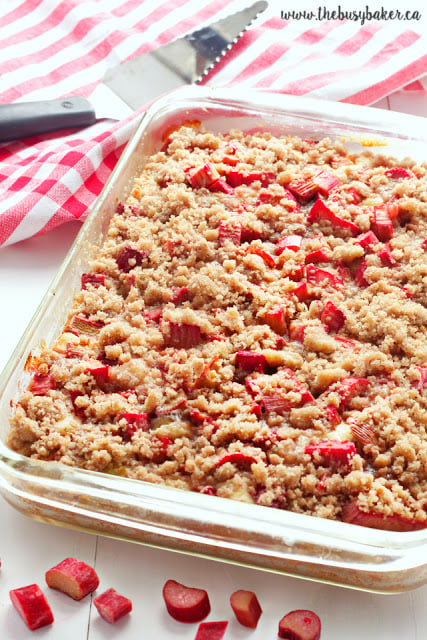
x: 54, y: 48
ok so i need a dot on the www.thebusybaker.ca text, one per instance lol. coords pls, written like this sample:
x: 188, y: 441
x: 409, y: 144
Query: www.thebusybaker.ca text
x: 357, y: 15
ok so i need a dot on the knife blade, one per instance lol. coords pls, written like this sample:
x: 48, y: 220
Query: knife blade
x: 133, y: 83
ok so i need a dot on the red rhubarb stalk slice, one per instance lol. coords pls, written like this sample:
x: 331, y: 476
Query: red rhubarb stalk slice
x: 204, y: 176
x: 184, y: 336
x: 32, y: 606
x: 237, y: 178
x: 129, y: 258
x: 332, y: 317
x: 95, y: 279
x: 319, y: 211
x: 238, y: 458
x: 221, y: 186
x: 41, y: 384
x: 326, y: 182
x: 333, y: 451
x: 303, y: 190
x: 250, y: 361
x: 292, y: 242
x: 112, y: 606
x: 134, y: 422
x: 367, y: 240
x: 386, y: 257
x: 275, y: 318
x: 185, y: 604
x: 381, y: 223
x: 101, y: 374
x: 73, y: 577
x: 353, y: 514
x: 229, y: 230
x: 80, y: 324
x: 359, y: 275
x: 211, y: 630
x: 259, y: 251
x: 321, y: 276
x: 319, y: 255
x: 246, y: 607
x: 399, y: 172
x: 300, y: 624
x: 351, y: 387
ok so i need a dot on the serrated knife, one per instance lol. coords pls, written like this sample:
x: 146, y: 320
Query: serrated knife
x: 133, y: 83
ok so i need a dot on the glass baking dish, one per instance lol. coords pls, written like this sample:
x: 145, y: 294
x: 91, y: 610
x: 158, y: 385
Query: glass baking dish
x: 218, y: 528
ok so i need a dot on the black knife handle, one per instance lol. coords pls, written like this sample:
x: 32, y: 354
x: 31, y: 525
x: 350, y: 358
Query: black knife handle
x: 22, y: 119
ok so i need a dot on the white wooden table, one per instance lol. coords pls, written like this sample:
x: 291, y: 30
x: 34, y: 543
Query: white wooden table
x: 29, y: 548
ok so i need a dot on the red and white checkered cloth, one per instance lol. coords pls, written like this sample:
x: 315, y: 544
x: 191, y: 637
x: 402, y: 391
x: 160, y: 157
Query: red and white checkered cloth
x: 54, y: 48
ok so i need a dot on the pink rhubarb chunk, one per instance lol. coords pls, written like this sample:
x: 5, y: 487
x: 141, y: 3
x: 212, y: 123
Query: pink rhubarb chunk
x: 73, y: 577
x: 381, y: 223
x: 204, y: 176
x: 211, y: 630
x: 332, y: 317
x: 300, y: 624
x: 292, y: 242
x: 32, y: 606
x: 333, y: 451
x: 184, y: 336
x: 112, y: 606
x: 185, y: 604
x: 353, y: 514
x: 246, y: 607
x: 251, y: 361
x: 319, y: 211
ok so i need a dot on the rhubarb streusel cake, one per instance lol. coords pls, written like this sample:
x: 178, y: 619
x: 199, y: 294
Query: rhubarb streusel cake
x: 254, y: 327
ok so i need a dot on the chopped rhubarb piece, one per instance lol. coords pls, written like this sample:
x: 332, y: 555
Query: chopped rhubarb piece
x: 229, y: 230
x: 326, y: 182
x: 297, y: 330
x: 303, y: 190
x: 237, y: 178
x: 353, y: 514
x: 302, y: 292
x: 332, y: 317
x: 259, y: 251
x: 319, y: 211
x: 300, y: 624
x: 154, y: 314
x: 291, y: 242
x: 367, y: 240
x: 95, y: 279
x: 249, y: 235
x: 222, y: 186
x: 381, y: 223
x: 399, y: 172
x: 351, y: 387
x: 204, y: 176
x: 332, y: 415
x: 184, y: 336
x: 211, y: 630
x: 179, y: 294
x: 319, y: 255
x: 134, y: 422
x: 361, y: 432
x: 322, y: 277
x: 422, y: 382
x: 238, y: 458
x: 41, y: 384
x: 275, y: 318
x: 73, y: 577
x: 185, y: 604
x: 112, y: 606
x: 345, y: 342
x: 31, y: 604
x: 80, y: 324
x: 129, y: 258
x: 333, y: 451
x: 101, y: 374
x: 359, y: 275
x: 386, y: 257
x: 250, y: 361
x: 246, y: 607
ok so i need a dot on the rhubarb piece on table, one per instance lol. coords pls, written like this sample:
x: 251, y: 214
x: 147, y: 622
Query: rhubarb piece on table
x: 186, y: 604
x: 31, y: 604
x: 112, y: 606
x: 300, y: 624
x: 353, y: 514
x: 333, y: 451
x: 211, y: 630
x: 246, y: 607
x: 73, y: 577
